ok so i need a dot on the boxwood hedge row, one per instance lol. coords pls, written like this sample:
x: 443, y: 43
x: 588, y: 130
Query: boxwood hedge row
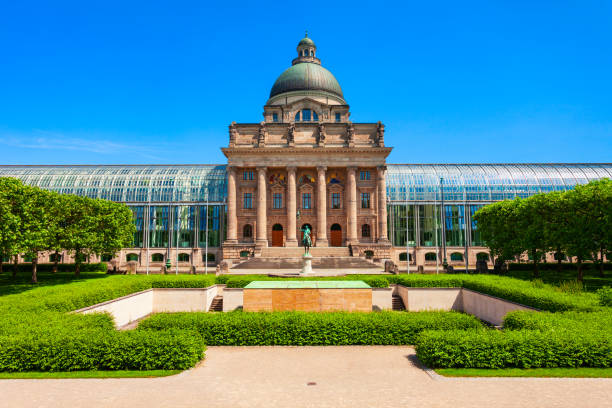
x: 37, y: 332
x: 302, y: 328
x: 242, y: 281
x: 514, y: 348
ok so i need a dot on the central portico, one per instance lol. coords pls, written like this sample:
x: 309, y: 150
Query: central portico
x: 306, y: 164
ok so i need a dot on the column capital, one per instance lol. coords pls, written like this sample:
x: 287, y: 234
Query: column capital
x: 261, y: 169
x: 292, y: 169
x: 230, y: 168
x: 352, y: 168
x: 382, y: 168
x: 321, y: 168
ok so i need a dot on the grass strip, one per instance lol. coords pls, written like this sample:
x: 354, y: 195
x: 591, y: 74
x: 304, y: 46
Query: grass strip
x: 559, y: 372
x: 90, y: 374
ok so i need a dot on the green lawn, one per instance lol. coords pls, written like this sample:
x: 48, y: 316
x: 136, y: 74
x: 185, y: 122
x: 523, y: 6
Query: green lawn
x: 90, y: 374
x: 582, y: 372
x: 592, y: 280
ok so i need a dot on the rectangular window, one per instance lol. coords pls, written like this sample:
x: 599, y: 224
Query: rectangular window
x: 275, y: 117
x: 337, y: 117
x: 247, y: 175
x: 277, y: 200
x: 306, y: 201
x: 335, y: 201
x: 248, y: 201
x: 306, y: 115
x: 430, y: 225
x: 365, y: 200
x: 364, y: 175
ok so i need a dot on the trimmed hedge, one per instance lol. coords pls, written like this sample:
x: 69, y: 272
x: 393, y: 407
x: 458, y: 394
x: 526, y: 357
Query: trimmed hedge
x: 101, y: 350
x: 38, y: 334
x: 539, y: 296
x: 242, y: 281
x: 553, y: 266
x: 302, y: 328
x: 522, y: 349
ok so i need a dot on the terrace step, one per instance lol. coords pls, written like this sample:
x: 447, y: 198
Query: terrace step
x: 397, y: 303
x: 217, y: 304
x: 296, y: 252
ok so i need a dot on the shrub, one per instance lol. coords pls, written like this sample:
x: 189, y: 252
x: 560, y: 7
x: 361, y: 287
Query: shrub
x: 301, y: 328
x: 61, y: 267
x: 60, y: 350
x: 605, y: 296
x: 522, y: 349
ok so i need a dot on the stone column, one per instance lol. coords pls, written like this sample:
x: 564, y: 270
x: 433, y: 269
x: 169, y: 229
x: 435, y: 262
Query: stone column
x: 351, y: 195
x: 291, y: 207
x: 381, y: 185
x: 232, y: 221
x: 321, y: 207
x: 262, y: 208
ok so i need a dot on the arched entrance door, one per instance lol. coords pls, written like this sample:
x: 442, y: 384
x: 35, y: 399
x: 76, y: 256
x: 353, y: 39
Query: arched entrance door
x: 335, y: 236
x: 277, y: 235
x: 302, y: 233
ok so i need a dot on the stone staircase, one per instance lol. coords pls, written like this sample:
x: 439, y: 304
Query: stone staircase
x: 330, y: 262
x: 217, y: 304
x: 297, y: 252
x: 397, y: 303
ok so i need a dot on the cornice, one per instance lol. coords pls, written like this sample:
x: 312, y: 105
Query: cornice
x: 255, y: 151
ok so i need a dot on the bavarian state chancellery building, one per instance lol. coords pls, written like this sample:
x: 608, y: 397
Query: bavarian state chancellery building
x: 305, y: 164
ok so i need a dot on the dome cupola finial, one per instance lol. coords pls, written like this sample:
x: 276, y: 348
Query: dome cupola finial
x: 307, y: 51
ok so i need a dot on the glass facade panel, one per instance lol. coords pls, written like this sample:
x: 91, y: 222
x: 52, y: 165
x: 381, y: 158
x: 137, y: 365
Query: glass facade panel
x: 158, y: 227
x: 138, y: 213
x: 475, y: 238
x: 396, y: 225
x: 430, y: 225
x: 454, y: 218
x: 183, y: 226
x: 212, y: 217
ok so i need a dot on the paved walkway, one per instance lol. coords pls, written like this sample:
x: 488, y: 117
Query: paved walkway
x: 376, y: 376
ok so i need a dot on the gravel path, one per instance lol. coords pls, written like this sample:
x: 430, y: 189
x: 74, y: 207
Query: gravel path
x: 350, y: 376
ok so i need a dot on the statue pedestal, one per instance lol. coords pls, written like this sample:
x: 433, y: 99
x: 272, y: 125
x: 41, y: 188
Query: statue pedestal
x: 307, y: 267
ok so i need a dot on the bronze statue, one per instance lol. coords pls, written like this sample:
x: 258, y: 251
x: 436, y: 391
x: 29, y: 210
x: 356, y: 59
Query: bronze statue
x: 306, y: 240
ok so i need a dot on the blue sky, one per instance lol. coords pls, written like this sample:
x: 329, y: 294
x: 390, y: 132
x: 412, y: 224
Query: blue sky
x: 159, y: 82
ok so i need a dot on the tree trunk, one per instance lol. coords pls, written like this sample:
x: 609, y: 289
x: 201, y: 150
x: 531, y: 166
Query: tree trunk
x: 559, y: 261
x: 15, y: 262
x: 1, y: 263
x: 580, y: 271
x: 601, y: 263
x: 536, y: 272
x: 34, y: 268
x: 77, y: 263
x: 55, y: 261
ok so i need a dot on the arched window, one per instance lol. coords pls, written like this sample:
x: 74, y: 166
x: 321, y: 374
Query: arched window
x: 131, y: 257
x: 430, y: 256
x: 247, y: 231
x: 365, y: 231
x: 157, y: 258
x: 482, y: 256
x: 54, y: 257
x: 106, y: 257
x: 306, y: 115
x: 211, y: 257
x: 183, y: 257
x: 244, y: 254
x: 311, y: 53
x: 402, y: 257
x: 456, y: 256
x: 369, y: 254
x: 560, y: 256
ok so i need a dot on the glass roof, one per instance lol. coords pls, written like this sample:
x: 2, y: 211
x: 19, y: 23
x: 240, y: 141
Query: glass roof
x: 139, y: 183
x: 405, y: 182
x: 486, y: 182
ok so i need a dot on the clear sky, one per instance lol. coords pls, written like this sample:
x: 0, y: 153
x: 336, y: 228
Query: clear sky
x: 159, y: 81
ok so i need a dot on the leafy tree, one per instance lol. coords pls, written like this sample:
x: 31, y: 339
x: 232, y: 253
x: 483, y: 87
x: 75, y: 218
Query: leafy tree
x: 497, y: 224
x: 11, y: 192
x: 532, y: 219
x: 114, y: 227
x: 35, y: 232
x: 79, y: 232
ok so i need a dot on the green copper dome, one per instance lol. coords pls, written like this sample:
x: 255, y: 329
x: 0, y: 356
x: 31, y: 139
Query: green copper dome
x: 306, y: 76
x: 307, y: 41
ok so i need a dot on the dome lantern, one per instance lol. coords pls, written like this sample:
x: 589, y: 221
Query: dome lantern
x: 307, y: 50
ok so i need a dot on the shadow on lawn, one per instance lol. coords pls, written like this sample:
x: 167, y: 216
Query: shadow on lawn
x: 22, y: 282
